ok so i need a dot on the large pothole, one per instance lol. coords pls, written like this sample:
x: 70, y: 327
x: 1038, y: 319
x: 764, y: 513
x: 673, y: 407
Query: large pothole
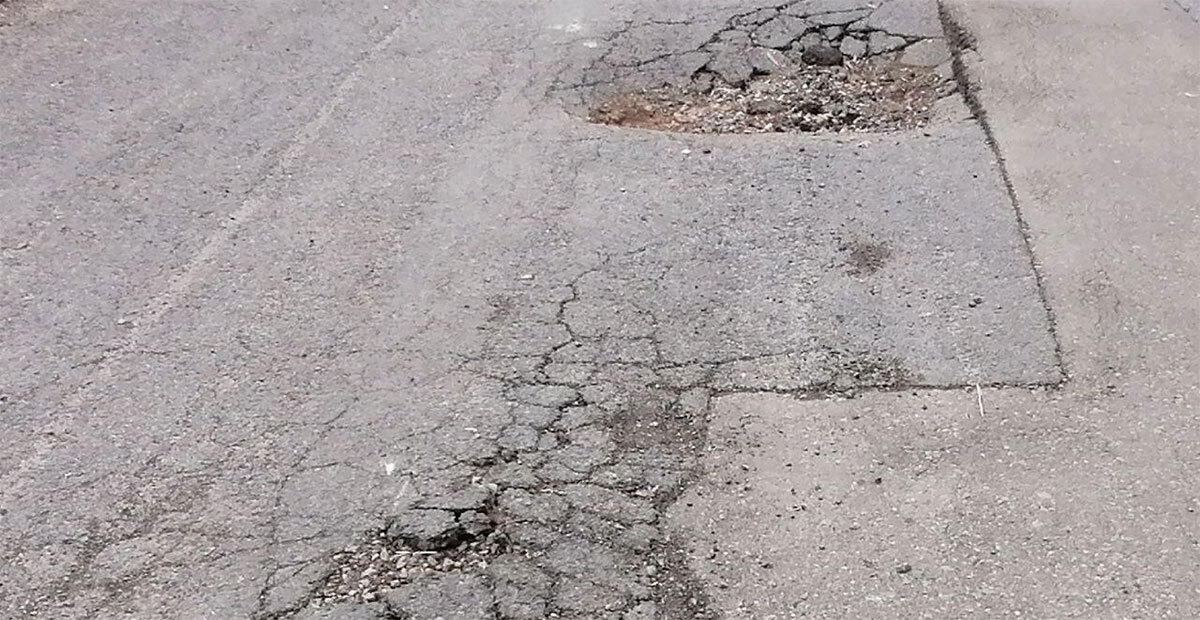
x: 805, y: 66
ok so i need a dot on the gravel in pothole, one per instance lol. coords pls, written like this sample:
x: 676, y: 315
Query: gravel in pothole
x: 366, y: 570
x: 858, y: 96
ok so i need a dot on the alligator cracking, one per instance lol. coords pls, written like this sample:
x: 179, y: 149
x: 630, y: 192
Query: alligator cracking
x: 802, y: 66
x: 563, y: 516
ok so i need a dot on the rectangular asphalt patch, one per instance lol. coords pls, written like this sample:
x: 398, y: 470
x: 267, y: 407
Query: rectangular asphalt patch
x: 794, y: 263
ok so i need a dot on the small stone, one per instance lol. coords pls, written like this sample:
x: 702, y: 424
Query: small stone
x: 822, y: 55
x: 904, y: 568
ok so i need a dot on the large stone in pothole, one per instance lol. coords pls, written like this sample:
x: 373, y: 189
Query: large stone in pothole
x: 769, y: 61
x: 822, y: 55
x: 425, y: 530
x: 732, y: 66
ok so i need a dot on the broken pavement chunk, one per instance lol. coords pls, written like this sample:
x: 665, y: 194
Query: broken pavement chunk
x: 425, y: 529
x: 765, y: 61
x: 731, y: 66
x: 822, y: 55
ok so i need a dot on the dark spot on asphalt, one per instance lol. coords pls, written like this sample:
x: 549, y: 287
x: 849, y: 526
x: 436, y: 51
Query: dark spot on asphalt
x: 655, y: 419
x: 865, y: 256
x: 680, y: 595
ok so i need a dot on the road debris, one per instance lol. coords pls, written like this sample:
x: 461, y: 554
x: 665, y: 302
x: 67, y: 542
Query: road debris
x: 857, y: 96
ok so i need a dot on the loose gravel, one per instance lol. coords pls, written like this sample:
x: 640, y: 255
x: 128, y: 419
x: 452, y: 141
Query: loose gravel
x: 859, y: 96
x: 368, y: 569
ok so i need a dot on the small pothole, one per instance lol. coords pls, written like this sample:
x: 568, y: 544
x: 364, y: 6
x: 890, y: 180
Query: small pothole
x: 456, y: 532
x: 816, y: 66
x: 858, y: 96
x: 368, y: 569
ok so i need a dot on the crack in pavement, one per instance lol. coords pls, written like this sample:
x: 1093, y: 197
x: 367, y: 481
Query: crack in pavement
x: 532, y: 474
x: 702, y: 52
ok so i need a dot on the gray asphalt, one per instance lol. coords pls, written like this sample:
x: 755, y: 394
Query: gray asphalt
x: 278, y: 276
x: 1076, y: 502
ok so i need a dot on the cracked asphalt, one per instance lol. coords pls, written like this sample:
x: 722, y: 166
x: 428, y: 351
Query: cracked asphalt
x: 329, y: 310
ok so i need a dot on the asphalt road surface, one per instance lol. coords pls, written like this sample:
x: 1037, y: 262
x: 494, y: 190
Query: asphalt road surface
x: 341, y: 310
